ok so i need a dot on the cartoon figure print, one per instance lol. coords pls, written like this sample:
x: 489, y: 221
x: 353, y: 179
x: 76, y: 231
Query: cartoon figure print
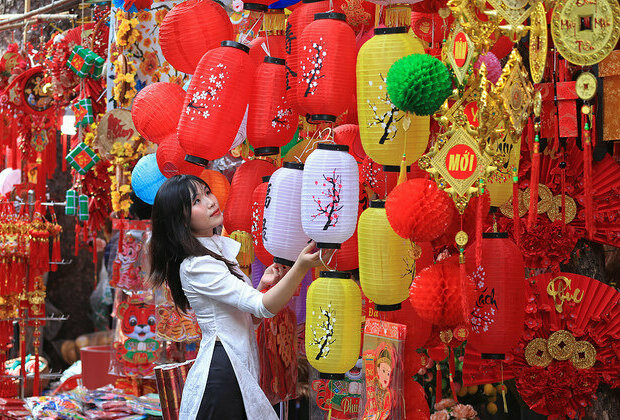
x: 341, y: 396
x: 379, y: 364
x: 126, y: 272
x: 137, y: 352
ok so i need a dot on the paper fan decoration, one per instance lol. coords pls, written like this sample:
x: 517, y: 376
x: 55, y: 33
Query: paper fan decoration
x: 569, y: 346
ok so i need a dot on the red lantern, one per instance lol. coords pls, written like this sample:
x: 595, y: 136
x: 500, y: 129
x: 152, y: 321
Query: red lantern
x: 171, y: 158
x: 498, y: 316
x: 271, y: 121
x: 190, y: 29
x: 215, y: 103
x: 440, y: 296
x: 273, y: 43
x: 238, y: 215
x: 257, y: 5
x: 258, y: 209
x: 349, y: 135
x: 326, y: 67
x: 419, y: 210
x: 219, y: 185
x: 418, y: 330
x: 156, y: 110
x: 295, y: 25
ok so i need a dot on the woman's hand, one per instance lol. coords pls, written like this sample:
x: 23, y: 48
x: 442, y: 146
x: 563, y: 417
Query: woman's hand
x: 272, y: 275
x: 311, y: 257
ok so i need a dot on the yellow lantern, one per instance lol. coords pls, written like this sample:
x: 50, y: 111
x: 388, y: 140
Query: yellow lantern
x: 333, y: 324
x: 382, y: 125
x: 386, y: 266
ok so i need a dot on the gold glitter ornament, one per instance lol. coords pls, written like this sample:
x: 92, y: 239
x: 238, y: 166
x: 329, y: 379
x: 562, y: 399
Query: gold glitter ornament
x: 545, y: 195
x: 584, y: 356
x: 555, y: 211
x: 561, y: 345
x: 538, y: 42
x: 536, y: 353
x: 585, y: 86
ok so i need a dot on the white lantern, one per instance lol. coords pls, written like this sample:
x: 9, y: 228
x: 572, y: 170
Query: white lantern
x: 330, y: 195
x: 283, y: 236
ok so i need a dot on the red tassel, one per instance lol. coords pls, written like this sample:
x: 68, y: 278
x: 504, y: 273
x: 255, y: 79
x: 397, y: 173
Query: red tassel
x: 534, y: 178
x: 563, y: 195
x: 438, y: 393
x: 121, y: 235
x: 64, y: 152
x: 515, y: 209
x: 587, y: 175
x: 479, y: 231
x: 451, y: 374
x: 77, y: 238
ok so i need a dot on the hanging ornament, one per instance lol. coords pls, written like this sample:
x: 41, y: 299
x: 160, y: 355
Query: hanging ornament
x: 585, y: 32
x: 538, y: 42
x: 459, y: 52
x: 499, y: 183
x: 482, y: 32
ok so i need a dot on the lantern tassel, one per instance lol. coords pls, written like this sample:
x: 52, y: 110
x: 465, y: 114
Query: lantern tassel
x: 402, y: 176
x: 534, y: 179
x: 501, y: 364
x: 587, y: 175
x: 438, y: 394
x: 274, y: 20
x: 451, y: 374
x: 516, y: 218
x: 397, y: 15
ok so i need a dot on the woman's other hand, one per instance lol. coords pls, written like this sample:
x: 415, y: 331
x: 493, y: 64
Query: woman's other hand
x: 272, y: 275
x: 311, y: 257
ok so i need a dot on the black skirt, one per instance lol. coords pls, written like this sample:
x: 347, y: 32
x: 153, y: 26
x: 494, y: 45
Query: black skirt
x: 222, y: 398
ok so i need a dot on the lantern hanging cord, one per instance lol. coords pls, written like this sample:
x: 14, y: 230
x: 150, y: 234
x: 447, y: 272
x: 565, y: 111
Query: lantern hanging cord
x: 245, y: 35
x: 330, y: 258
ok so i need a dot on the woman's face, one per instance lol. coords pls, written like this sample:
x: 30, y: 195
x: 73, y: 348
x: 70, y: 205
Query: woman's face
x: 206, y: 213
x: 384, y: 371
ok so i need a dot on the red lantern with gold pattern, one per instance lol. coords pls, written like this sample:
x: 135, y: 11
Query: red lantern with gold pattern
x: 326, y: 67
x: 215, y: 103
x: 190, y: 29
x: 238, y: 215
x: 295, y: 25
x: 271, y: 121
x: 498, y: 316
x: 171, y: 158
x: 258, y: 210
x: 156, y: 110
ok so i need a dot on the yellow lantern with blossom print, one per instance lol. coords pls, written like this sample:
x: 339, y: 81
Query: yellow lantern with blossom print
x: 386, y: 131
x: 333, y: 324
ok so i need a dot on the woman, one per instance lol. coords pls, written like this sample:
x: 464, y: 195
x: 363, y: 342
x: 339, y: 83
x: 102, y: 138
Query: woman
x: 200, y: 268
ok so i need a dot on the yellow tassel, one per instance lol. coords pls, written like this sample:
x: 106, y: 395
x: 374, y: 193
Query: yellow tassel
x: 398, y: 15
x: 246, y: 253
x: 274, y: 21
x: 402, y: 176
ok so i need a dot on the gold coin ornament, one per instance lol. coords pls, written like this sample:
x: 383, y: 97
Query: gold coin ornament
x: 561, y: 345
x: 538, y: 42
x: 536, y: 353
x: 584, y: 356
x: 461, y: 238
x: 585, y: 86
x: 514, y: 12
x: 585, y: 31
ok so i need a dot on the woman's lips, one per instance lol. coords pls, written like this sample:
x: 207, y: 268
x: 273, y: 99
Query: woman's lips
x: 215, y: 213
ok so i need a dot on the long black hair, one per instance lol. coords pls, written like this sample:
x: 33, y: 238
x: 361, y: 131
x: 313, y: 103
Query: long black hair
x: 172, y: 240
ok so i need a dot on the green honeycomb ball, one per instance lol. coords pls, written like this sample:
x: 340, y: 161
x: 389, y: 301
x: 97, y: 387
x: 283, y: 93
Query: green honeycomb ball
x: 419, y: 83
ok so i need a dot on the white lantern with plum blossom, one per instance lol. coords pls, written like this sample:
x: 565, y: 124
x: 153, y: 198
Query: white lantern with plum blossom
x: 330, y: 195
x: 283, y: 236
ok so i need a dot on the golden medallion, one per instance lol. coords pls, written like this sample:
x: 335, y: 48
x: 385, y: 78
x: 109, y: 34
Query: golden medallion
x: 461, y: 238
x: 459, y: 52
x: 517, y: 91
x: 585, y: 86
x: 536, y: 353
x: 538, y: 42
x: 561, y: 345
x: 584, y: 356
x: 585, y: 31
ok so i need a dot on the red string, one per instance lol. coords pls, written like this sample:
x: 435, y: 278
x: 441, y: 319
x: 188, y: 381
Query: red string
x: 587, y: 173
x: 479, y: 231
x: 534, y: 179
x: 452, y: 372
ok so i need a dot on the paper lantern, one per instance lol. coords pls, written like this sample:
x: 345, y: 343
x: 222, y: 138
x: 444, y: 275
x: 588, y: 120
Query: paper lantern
x: 256, y: 5
x: 258, y: 269
x: 381, y: 123
x: 295, y: 25
x: 282, y: 232
x: 418, y: 330
x: 219, y: 185
x: 330, y: 195
x: 258, y: 210
x: 346, y: 258
x: 440, y: 296
x: 349, y: 135
x: 419, y: 210
x: 156, y: 110
x: 171, y: 158
x: 215, y: 103
x: 386, y: 265
x: 326, y: 67
x: 146, y: 178
x: 190, y: 29
x: 238, y: 215
x: 333, y: 328
x: 271, y: 121
x: 498, y: 316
